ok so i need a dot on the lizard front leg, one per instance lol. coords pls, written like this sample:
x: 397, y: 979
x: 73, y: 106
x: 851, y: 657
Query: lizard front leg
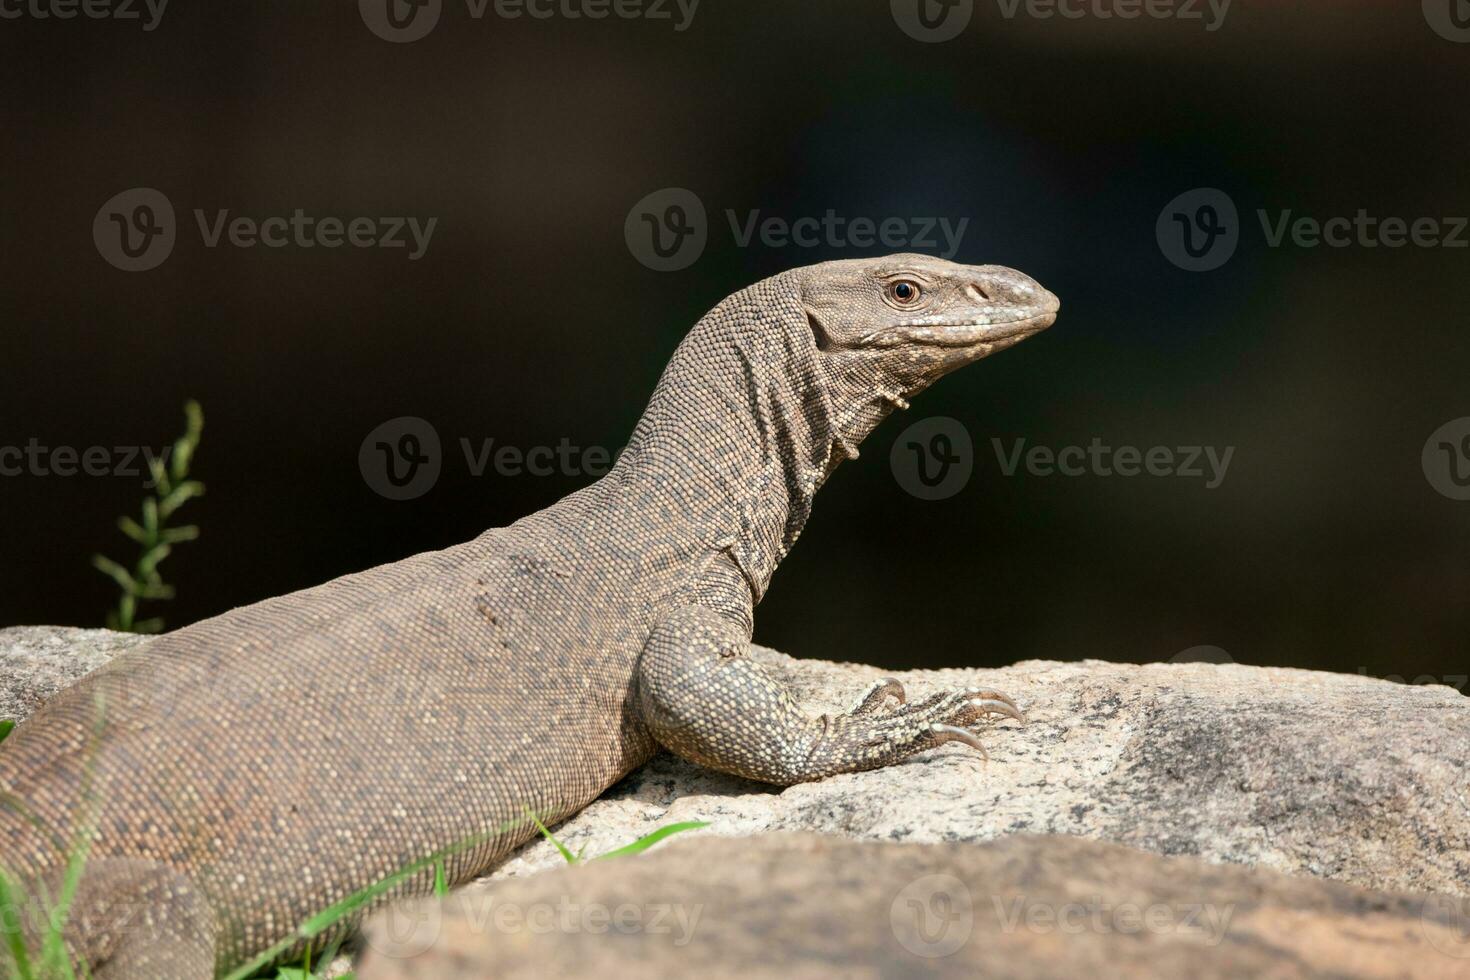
x: 705, y: 700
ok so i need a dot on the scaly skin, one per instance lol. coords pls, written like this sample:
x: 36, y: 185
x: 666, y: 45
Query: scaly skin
x: 243, y: 773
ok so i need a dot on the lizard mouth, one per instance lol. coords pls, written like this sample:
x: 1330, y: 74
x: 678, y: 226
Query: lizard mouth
x: 941, y: 331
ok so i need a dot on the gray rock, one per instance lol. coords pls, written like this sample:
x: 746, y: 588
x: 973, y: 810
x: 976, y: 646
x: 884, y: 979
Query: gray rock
x: 1332, y: 775
x: 799, y: 905
x: 38, y: 661
x: 1301, y: 771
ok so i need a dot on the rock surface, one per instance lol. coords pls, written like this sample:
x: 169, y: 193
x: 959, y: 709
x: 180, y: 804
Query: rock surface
x: 38, y: 661
x: 1300, y: 771
x: 1332, y: 775
x: 800, y: 905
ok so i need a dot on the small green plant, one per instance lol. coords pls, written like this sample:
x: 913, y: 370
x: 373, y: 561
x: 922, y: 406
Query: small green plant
x: 172, y: 488
x: 641, y: 844
x: 6, y: 727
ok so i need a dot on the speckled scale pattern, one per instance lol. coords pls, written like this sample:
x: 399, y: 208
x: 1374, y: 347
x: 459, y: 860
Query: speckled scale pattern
x: 239, y: 775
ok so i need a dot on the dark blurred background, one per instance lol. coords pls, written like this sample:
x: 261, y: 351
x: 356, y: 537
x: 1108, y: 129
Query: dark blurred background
x: 528, y: 320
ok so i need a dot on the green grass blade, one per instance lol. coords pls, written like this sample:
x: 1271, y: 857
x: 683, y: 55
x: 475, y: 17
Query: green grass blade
x: 155, y: 590
x: 132, y: 529
x: 567, y: 855
x: 148, y: 564
x: 127, y: 608
x: 150, y: 515
x: 180, y: 495
x: 11, y: 929
x: 114, y: 571
x: 173, y: 535
x: 647, y: 841
x: 6, y: 727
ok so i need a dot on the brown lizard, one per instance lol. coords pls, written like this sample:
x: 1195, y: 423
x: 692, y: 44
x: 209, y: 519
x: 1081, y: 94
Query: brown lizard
x: 238, y: 776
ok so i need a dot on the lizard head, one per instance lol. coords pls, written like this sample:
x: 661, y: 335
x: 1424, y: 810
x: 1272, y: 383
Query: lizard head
x: 908, y: 320
x: 887, y: 328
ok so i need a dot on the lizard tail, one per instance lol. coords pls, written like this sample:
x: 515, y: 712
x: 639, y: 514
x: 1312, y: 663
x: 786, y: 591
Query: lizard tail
x: 129, y: 918
x: 138, y: 918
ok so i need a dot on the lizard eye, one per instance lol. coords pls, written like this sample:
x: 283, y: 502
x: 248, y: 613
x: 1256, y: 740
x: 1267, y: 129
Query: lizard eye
x: 904, y: 292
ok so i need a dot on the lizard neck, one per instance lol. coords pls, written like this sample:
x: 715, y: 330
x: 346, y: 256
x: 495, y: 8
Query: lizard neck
x: 741, y: 431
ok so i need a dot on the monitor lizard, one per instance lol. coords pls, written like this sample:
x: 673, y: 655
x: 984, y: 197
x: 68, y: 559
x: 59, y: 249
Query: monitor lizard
x: 239, y: 775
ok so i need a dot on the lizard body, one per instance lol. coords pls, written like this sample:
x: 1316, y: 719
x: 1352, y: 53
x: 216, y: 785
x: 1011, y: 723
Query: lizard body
x: 243, y: 773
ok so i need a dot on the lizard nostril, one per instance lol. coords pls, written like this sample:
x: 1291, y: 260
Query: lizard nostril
x: 978, y: 292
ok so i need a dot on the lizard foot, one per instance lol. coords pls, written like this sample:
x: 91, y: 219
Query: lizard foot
x: 892, y: 731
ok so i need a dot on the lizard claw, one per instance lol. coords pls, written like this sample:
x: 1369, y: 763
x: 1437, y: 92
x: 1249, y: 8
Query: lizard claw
x: 996, y: 706
x: 950, y: 733
x: 877, y: 694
